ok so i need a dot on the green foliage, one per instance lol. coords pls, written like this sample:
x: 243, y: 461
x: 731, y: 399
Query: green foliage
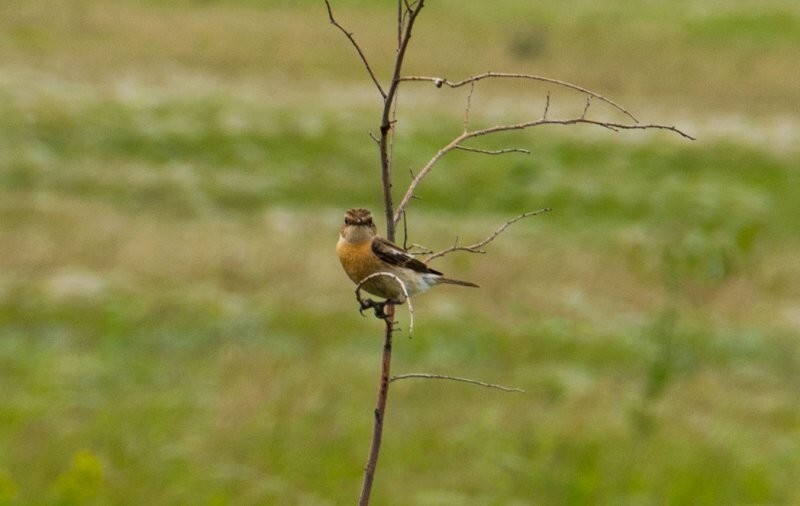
x: 8, y: 489
x: 762, y: 29
x: 82, y: 481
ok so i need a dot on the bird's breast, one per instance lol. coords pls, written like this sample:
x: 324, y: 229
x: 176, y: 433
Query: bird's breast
x: 357, y: 259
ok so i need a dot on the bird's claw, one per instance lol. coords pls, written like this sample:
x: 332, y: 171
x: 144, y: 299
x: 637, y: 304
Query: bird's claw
x: 374, y: 305
x: 377, y: 307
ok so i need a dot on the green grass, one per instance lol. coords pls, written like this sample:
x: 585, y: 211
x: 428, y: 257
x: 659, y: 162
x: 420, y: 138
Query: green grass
x: 175, y: 327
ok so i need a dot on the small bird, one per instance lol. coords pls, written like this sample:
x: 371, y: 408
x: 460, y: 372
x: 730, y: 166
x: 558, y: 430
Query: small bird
x: 363, y: 253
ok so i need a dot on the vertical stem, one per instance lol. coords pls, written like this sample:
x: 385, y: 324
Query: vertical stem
x: 380, y: 411
x: 386, y: 123
x: 386, y: 180
x: 404, y: 36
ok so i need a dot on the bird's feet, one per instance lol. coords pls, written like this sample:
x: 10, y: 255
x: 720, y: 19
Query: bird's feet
x: 377, y: 307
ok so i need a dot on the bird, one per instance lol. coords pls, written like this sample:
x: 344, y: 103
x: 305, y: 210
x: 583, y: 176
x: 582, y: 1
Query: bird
x: 363, y: 254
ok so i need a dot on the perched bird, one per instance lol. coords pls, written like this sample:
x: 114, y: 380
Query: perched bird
x: 363, y: 253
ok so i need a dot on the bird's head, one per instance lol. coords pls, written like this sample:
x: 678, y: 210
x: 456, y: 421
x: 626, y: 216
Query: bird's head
x: 358, y: 225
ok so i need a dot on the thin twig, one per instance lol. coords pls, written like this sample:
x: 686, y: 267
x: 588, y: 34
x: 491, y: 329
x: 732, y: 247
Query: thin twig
x: 455, y: 143
x: 454, y: 378
x: 405, y: 232
x: 586, y: 107
x: 361, y: 54
x: 423, y: 250
x: 574, y: 121
x: 439, y: 81
x: 386, y: 125
x: 467, y: 106
x: 476, y: 248
x: 493, y: 151
x: 546, y: 106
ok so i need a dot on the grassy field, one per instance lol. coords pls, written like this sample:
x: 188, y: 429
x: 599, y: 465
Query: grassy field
x: 175, y: 327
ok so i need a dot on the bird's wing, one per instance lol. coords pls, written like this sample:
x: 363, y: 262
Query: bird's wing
x: 395, y: 255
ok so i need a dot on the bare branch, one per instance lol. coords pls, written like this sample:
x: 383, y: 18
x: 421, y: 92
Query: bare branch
x: 361, y: 54
x: 586, y: 107
x: 405, y: 231
x: 467, y: 107
x: 380, y: 409
x: 455, y: 143
x: 454, y: 378
x: 546, y: 106
x: 407, y: 12
x: 573, y: 121
x: 411, y: 11
x: 423, y: 250
x: 439, y: 81
x: 493, y: 151
x: 383, y: 388
x: 416, y: 180
x: 476, y: 248
x: 400, y: 18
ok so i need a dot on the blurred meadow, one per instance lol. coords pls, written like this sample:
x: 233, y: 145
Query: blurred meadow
x: 175, y: 327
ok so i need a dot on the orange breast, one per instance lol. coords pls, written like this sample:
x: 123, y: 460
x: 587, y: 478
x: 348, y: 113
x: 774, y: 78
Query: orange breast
x: 357, y: 259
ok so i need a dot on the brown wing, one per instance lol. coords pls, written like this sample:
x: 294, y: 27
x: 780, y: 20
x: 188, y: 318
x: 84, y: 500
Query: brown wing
x: 394, y: 255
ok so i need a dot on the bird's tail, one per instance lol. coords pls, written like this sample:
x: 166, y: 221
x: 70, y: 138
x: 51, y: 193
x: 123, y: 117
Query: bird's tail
x: 456, y: 282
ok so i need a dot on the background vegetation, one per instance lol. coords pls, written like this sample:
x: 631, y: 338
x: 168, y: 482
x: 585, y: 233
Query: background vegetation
x: 175, y: 327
